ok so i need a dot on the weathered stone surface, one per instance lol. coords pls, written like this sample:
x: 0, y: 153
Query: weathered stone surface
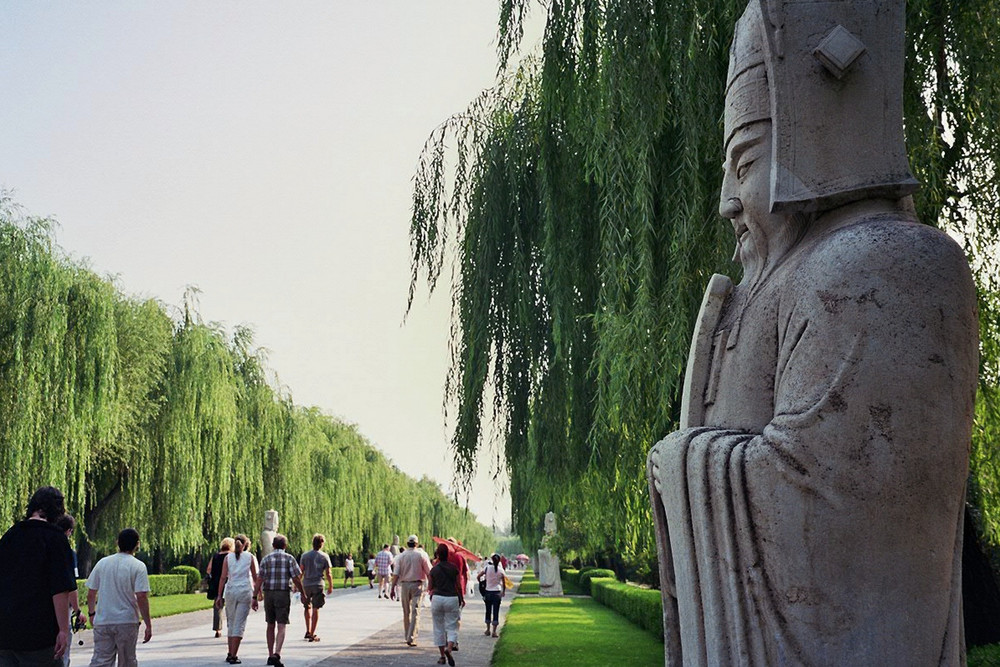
x: 268, y: 532
x: 549, y: 580
x: 809, y: 510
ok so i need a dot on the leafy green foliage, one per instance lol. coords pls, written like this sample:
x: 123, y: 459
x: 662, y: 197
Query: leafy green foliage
x: 175, y: 427
x: 579, y: 220
x: 167, y: 584
x: 642, y: 606
x: 192, y: 574
x: 595, y: 573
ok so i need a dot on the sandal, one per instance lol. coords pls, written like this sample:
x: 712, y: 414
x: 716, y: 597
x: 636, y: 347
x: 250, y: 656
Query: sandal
x: 314, y: 638
x: 451, y: 660
x: 441, y: 660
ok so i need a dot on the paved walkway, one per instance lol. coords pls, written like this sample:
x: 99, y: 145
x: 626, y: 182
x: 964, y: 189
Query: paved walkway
x: 356, y: 628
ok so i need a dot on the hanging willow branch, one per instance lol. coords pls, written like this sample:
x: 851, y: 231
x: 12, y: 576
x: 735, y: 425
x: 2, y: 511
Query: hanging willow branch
x: 582, y: 228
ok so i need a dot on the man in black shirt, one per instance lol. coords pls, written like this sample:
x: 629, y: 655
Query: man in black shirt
x: 35, y: 585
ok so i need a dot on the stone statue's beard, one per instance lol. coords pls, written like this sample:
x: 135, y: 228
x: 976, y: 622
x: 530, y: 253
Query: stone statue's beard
x: 759, y: 252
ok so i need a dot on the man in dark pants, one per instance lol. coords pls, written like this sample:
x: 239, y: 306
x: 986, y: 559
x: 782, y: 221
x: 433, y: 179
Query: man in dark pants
x: 35, y: 585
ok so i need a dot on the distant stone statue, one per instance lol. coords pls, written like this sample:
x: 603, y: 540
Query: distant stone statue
x: 394, y: 547
x: 268, y: 533
x: 809, y: 509
x: 549, y: 580
x: 550, y: 523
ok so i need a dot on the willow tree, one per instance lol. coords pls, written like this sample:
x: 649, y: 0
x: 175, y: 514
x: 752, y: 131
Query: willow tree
x: 577, y: 214
x: 174, y: 426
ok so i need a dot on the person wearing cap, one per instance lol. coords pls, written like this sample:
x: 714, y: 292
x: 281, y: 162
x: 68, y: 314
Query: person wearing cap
x: 412, y: 569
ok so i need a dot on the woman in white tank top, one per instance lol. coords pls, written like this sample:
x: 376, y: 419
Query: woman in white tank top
x: 236, y: 587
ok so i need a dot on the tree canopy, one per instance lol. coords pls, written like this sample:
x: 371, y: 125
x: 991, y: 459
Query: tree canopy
x: 577, y: 212
x: 175, y: 427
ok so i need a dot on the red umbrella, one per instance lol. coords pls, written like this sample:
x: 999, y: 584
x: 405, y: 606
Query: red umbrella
x: 523, y: 557
x: 462, y: 551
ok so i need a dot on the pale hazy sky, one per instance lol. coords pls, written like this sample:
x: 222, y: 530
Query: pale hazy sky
x: 262, y: 152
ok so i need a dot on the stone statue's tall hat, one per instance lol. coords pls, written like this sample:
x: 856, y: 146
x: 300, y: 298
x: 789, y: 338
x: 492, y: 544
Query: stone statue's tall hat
x: 829, y: 76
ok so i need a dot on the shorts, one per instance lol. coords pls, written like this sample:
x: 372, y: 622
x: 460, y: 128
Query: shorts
x: 348, y: 574
x: 314, y: 597
x: 371, y: 575
x: 277, y: 604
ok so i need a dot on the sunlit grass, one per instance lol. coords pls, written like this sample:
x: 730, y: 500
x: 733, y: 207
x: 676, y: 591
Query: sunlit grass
x: 529, y: 583
x: 168, y: 605
x: 575, y: 632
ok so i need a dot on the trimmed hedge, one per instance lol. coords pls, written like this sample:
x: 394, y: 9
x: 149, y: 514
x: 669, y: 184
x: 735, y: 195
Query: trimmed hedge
x: 167, y: 584
x: 642, y: 606
x: 593, y: 573
x: 159, y: 584
x: 192, y: 574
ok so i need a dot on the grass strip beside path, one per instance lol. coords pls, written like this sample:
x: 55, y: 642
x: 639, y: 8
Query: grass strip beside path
x: 571, y: 632
x: 168, y: 605
x: 529, y: 583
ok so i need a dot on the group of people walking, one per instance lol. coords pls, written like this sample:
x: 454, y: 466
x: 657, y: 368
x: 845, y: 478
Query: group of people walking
x: 237, y: 583
x: 38, y: 591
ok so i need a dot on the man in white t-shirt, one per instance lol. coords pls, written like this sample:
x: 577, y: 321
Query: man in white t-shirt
x: 121, y: 583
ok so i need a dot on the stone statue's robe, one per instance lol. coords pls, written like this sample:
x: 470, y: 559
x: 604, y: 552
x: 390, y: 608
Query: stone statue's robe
x: 816, y: 517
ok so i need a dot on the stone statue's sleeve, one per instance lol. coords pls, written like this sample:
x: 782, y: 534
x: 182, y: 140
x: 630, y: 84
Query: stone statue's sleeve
x: 846, y: 506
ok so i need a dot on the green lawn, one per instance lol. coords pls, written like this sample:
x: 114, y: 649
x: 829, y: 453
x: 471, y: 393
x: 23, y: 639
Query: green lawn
x: 529, y: 583
x: 575, y: 632
x: 168, y: 605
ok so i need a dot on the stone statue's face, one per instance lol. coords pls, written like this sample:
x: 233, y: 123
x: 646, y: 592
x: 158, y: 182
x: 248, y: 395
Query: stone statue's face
x: 762, y: 237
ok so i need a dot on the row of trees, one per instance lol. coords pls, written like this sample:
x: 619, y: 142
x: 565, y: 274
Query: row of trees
x: 170, y: 425
x: 578, y: 215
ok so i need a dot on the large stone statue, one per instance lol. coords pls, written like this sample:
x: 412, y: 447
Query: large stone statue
x: 269, y: 531
x: 549, y: 580
x: 809, y: 509
x: 394, y: 547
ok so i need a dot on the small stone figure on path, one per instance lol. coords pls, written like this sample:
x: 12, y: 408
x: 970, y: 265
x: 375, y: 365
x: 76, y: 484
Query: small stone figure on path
x: 268, y: 532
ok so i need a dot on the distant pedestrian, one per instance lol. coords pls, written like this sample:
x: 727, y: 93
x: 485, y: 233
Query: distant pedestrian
x: 235, y: 591
x: 494, y: 576
x: 315, y: 568
x: 277, y: 571
x: 214, y: 577
x: 456, y: 557
x: 35, y: 584
x: 412, y: 569
x: 447, y: 599
x: 370, y: 570
x: 349, y: 570
x: 121, y: 585
x: 383, y: 569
